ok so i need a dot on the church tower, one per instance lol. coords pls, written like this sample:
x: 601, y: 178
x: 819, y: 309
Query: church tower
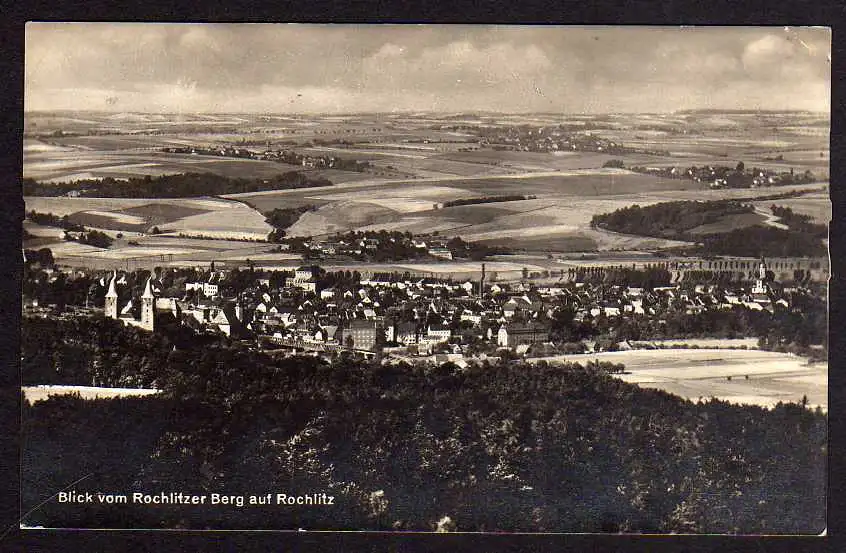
x: 239, y: 309
x: 148, y: 302
x: 761, y: 282
x: 112, y: 299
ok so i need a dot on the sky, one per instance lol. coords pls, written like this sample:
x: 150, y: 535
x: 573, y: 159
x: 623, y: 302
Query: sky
x: 296, y: 68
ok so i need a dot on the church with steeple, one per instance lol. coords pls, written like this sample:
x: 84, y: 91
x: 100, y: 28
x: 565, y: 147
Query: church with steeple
x: 124, y: 313
x: 762, y: 291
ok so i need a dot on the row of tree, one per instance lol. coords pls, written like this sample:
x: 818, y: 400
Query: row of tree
x: 171, y: 186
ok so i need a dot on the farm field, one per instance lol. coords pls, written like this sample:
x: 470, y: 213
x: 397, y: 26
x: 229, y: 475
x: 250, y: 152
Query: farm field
x: 69, y: 166
x: 709, y: 343
x: 817, y: 206
x: 529, y: 161
x: 91, y: 157
x: 33, y: 394
x: 555, y: 221
x: 705, y: 373
x: 570, y: 186
x: 494, y: 270
x: 211, y: 217
x: 228, y: 223
x: 728, y: 223
x: 163, y: 252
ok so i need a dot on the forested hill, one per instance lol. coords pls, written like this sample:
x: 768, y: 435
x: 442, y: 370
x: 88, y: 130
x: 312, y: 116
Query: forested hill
x: 509, y: 447
x: 685, y: 220
x: 181, y: 185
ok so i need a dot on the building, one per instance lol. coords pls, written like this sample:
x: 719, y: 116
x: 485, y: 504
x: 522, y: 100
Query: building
x: 124, y: 313
x: 361, y: 335
x: 406, y: 333
x: 441, y: 253
x: 226, y: 321
x: 438, y: 333
x: 761, y: 285
x: 304, y: 279
x: 514, y: 334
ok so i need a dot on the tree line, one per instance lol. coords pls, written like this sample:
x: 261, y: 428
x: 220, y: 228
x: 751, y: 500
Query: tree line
x: 487, y: 200
x: 496, y: 448
x: 181, y: 185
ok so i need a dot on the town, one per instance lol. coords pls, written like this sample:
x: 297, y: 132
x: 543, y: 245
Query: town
x: 422, y: 318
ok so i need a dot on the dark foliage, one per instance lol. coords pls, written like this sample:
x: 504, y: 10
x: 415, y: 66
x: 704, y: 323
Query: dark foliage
x: 487, y: 200
x: 767, y: 241
x: 507, y: 447
x: 282, y: 218
x: 96, y: 238
x: 172, y: 186
x: 50, y: 220
x: 675, y: 220
x: 668, y: 219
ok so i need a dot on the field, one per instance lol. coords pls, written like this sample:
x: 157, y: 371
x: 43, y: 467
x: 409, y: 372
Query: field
x: 160, y: 250
x: 33, y: 394
x: 728, y: 223
x: 817, y: 206
x: 558, y: 220
x: 738, y: 376
x: 83, y: 164
x: 211, y: 217
x: 495, y: 270
x: 224, y: 224
x: 440, y: 159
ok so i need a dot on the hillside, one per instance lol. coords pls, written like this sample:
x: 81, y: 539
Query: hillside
x: 507, y: 447
x: 721, y: 227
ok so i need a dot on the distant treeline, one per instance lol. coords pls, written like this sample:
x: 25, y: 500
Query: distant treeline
x: 183, y: 185
x: 622, y: 276
x: 768, y: 241
x: 675, y: 220
x: 507, y: 447
x: 487, y: 200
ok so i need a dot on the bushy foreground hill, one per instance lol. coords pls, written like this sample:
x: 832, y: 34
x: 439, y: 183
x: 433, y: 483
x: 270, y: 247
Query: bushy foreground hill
x: 511, y: 447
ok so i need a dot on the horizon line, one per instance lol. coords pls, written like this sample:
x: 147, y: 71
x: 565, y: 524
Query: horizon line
x: 431, y: 112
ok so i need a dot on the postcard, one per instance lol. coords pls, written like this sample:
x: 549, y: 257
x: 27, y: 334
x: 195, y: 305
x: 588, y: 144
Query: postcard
x: 425, y: 278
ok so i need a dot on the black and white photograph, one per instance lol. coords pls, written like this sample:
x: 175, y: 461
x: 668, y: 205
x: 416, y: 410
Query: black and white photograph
x: 438, y: 278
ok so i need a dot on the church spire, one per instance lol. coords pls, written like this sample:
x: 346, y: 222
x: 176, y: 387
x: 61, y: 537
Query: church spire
x: 112, y: 292
x: 148, y: 289
x: 762, y: 269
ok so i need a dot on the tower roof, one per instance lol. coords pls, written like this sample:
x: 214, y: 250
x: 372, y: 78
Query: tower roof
x: 112, y: 293
x: 148, y: 288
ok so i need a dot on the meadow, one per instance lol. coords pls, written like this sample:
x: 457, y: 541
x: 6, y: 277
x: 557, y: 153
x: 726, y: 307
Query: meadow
x: 738, y: 376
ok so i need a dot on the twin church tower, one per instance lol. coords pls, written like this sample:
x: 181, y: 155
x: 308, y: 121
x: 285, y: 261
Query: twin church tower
x: 124, y: 313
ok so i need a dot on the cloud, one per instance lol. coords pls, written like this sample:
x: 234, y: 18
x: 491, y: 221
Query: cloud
x: 172, y: 67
